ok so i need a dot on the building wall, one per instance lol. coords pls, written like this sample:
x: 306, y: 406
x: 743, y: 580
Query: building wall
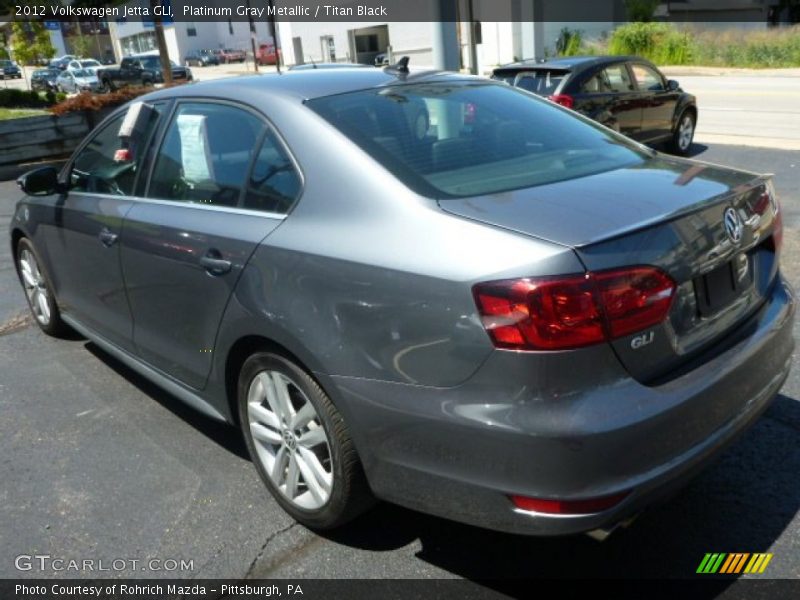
x: 207, y: 35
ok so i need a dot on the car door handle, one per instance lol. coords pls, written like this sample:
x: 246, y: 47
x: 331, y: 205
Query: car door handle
x: 214, y: 264
x: 108, y: 237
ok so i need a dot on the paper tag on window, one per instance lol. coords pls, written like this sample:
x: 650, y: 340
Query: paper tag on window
x: 195, y: 154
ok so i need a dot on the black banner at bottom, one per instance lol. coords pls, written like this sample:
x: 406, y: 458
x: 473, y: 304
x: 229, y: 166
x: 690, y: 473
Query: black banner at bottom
x: 388, y: 589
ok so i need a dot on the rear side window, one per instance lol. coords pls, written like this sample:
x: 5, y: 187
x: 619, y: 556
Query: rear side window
x: 618, y: 79
x: 543, y: 82
x: 206, y: 154
x: 455, y: 139
x: 274, y: 183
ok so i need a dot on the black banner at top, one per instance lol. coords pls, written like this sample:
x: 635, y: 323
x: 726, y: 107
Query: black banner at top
x: 385, y: 11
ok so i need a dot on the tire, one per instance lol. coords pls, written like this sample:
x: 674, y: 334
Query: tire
x: 683, y: 135
x: 38, y: 290
x: 320, y: 481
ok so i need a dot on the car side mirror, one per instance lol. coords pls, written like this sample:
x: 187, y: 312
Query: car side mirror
x: 40, y: 182
x: 673, y: 86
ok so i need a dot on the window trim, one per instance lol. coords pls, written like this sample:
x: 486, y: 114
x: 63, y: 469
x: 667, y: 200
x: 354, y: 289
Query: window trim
x: 162, y: 134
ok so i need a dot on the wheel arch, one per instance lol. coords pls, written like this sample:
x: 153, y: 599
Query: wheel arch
x: 682, y: 109
x: 239, y: 352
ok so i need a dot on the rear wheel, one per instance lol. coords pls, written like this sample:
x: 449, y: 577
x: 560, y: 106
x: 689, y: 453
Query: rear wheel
x: 684, y: 133
x: 299, y: 443
x: 38, y: 291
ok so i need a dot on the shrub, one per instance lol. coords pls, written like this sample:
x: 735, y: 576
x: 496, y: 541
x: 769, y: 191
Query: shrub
x: 570, y: 42
x: 660, y: 42
x: 14, y: 98
x: 94, y: 102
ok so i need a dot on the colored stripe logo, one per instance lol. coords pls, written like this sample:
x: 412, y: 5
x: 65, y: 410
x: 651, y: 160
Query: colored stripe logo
x: 734, y: 563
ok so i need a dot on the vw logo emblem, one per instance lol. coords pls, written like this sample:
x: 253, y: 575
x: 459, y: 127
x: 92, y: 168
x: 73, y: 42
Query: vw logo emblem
x: 733, y: 225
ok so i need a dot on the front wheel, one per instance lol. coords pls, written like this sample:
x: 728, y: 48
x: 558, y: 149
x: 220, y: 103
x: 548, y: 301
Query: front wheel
x: 299, y: 443
x: 38, y: 290
x: 684, y: 133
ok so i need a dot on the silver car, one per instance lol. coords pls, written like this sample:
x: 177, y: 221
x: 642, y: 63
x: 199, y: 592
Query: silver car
x: 426, y: 288
x: 77, y: 80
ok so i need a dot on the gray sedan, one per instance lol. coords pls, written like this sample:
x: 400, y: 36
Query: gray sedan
x: 77, y: 80
x: 426, y: 288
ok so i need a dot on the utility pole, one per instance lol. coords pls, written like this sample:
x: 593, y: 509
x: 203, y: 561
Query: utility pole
x: 253, y: 43
x: 473, y: 39
x: 445, y: 37
x: 274, y: 31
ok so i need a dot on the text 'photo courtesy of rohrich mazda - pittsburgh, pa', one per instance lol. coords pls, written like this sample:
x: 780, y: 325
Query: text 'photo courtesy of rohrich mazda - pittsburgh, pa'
x: 491, y: 298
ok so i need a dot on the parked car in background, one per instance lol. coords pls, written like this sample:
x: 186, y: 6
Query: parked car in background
x: 89, y: 64
x: 140, y: 69
x: 9, y: 70
x: 77, y: 80
x: 627, y: 93
x: 201, y: 58
x: 267, y: 54
x: 229, y: 55
x: 61, y: 62
x: 43, y: 80
x: 382, y: 59
x: 571, y: 329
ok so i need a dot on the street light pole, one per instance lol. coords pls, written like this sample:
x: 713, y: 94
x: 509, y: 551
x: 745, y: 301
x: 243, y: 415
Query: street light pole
x: 253, y: 44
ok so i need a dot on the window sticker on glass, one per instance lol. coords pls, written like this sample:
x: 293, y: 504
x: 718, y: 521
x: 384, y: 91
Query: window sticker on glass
x: 195, y: 155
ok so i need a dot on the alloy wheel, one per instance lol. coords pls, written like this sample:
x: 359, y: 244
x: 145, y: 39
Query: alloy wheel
x: 290, y: 439
x: 35, y: 286
x: 685, y: 132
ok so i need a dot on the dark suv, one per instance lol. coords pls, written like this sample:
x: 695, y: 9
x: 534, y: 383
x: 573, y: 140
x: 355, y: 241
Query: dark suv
x: 626, y: 93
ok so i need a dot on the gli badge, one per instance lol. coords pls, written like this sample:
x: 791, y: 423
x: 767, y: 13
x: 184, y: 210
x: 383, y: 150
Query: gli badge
x: 643, y: 340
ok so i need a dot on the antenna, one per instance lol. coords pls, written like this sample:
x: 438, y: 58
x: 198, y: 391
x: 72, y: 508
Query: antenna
x: 401, y: 67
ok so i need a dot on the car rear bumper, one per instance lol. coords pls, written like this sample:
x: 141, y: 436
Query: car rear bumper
x: 564, y: 426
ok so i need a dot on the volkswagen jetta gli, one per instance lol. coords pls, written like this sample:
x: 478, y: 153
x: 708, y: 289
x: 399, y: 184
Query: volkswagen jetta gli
x: 431, y: 289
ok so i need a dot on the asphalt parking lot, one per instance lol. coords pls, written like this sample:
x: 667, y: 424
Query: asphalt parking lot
x: 99, y: 464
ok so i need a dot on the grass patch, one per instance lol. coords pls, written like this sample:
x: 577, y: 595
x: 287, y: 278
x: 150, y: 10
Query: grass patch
x: 19, y: 113
x: 666, y: 44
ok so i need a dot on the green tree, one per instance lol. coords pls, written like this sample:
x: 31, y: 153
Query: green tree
x: 30, y: 42
x: 81, y: 45
x: 641, y: 10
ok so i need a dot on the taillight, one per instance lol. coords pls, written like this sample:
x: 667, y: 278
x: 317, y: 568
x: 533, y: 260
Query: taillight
x: 563, y: 100
x: 634, y: 299
x: 559, y: 313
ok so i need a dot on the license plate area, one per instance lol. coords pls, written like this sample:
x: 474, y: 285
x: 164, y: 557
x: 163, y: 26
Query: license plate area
x: 718, y: 288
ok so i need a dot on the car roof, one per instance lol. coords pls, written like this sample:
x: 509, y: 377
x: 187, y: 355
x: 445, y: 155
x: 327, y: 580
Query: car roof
x: 306, y: 84
x: 569, y: 62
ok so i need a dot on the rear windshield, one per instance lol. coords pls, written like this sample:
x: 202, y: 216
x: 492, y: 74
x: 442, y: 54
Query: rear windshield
x: 540, y: 81
x: 460, y: 139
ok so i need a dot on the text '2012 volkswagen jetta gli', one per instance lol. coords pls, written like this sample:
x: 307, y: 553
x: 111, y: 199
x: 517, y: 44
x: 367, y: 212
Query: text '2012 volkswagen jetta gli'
x: 431, y: 289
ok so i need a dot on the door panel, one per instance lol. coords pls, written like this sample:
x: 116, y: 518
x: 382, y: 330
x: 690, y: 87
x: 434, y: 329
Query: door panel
x: 85, y: 258
x: 176, y: 300
x: 609, y: 96
x: 658, y: 104
x: 87, y: 222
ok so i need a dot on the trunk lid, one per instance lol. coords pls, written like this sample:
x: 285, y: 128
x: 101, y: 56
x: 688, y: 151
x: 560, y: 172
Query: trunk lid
x: 668, y: 213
